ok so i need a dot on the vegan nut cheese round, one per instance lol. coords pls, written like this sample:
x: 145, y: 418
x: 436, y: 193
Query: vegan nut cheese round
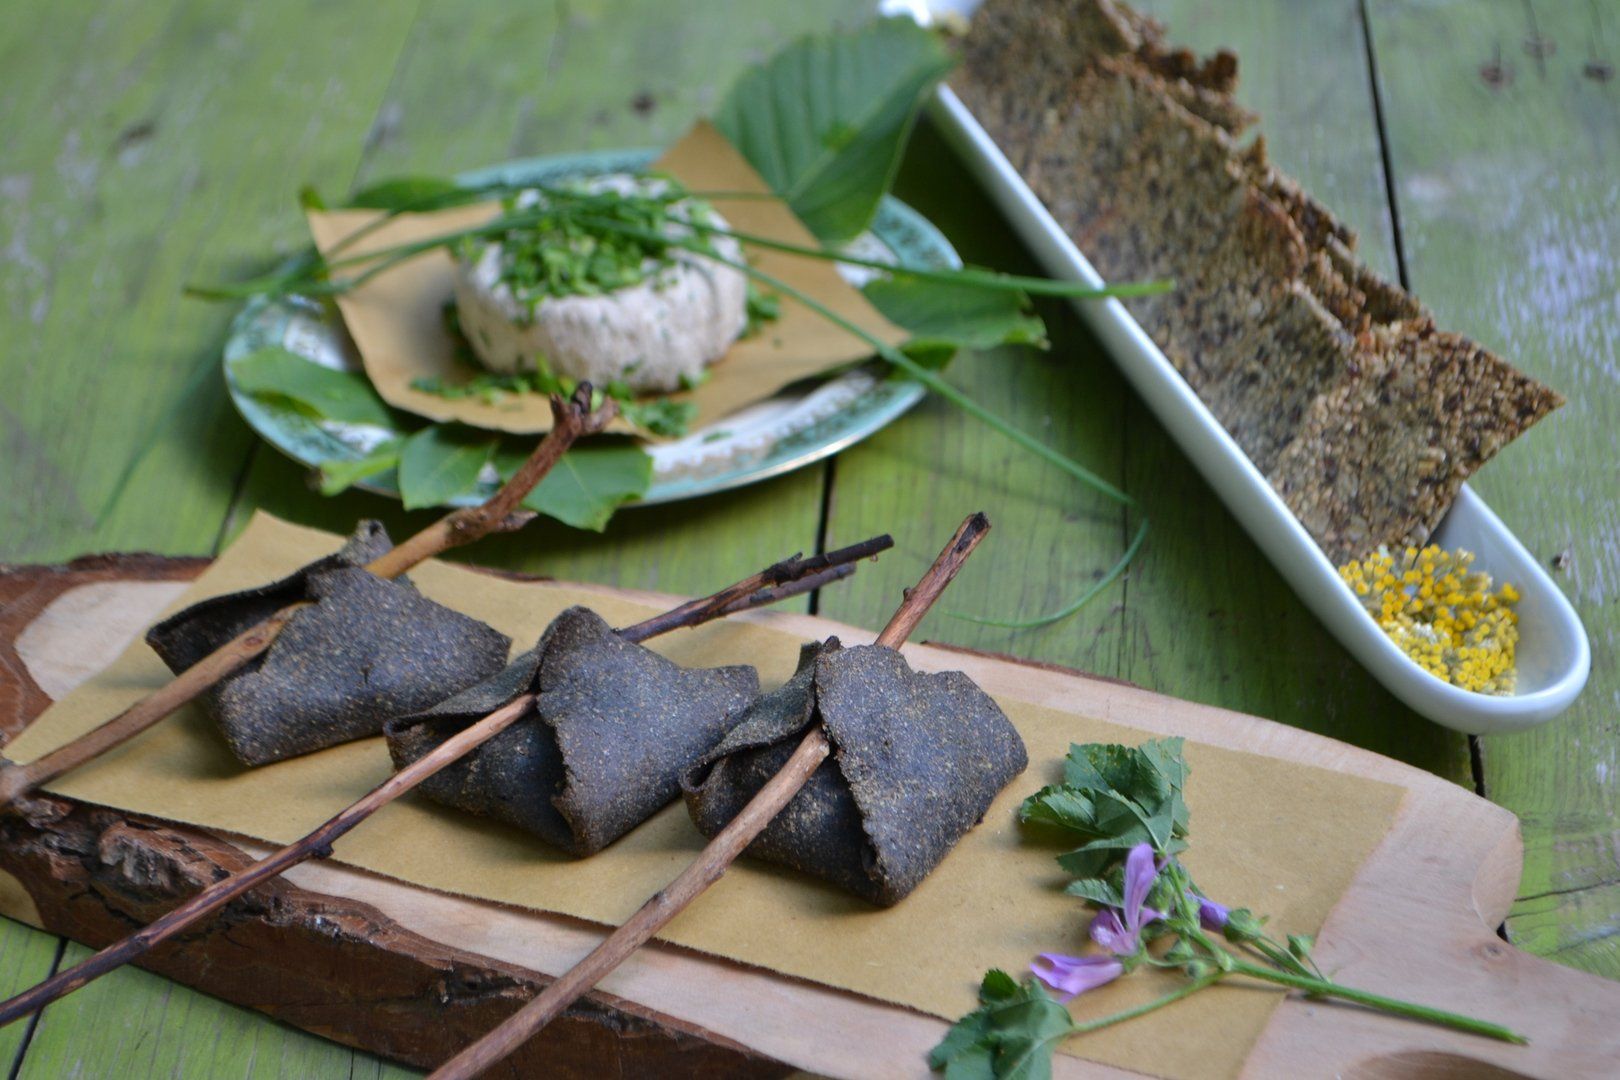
x: 601, y: 306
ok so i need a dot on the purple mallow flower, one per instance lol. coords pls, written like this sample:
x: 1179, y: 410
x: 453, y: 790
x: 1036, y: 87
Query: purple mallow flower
x: 1120, y: 931
x: 1071, y: 975
x: 1211, y: 916
x: 1117, y: 931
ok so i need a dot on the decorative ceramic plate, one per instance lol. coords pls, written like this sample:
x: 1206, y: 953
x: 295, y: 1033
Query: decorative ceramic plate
x: 804, y: 423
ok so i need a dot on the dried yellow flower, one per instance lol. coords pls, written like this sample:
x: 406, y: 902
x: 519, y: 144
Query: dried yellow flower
x: 1442, y: 613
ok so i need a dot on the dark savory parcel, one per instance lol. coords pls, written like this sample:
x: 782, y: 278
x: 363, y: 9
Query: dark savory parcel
x: 613, y: 728
x: 1361, y: 413
x: 364, y: 649
x: 916, y: 760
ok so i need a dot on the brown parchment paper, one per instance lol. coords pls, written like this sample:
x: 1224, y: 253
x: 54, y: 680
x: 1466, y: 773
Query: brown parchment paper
x: 1281, y: 838
x: 396, y: 319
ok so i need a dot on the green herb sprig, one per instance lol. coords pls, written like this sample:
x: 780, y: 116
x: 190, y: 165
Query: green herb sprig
x: 1125, y: 807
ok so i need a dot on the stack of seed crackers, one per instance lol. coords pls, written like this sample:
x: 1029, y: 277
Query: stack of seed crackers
x: 1363, y: 415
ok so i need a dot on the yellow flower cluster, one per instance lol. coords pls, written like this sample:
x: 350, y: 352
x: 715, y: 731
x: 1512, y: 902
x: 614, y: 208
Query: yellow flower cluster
x: 1442, y: 613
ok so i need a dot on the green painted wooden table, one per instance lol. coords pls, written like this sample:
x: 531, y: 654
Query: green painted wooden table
x: 1475, y: 144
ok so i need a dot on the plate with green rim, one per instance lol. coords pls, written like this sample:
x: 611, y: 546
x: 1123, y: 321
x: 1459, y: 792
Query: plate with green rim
x: 803, y: 424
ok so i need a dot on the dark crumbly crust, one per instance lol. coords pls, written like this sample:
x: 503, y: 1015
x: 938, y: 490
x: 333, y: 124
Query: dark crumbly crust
x: 1335, y: 383
x: 364, y: 649
x: 614, y: 727
x: 917, y: 759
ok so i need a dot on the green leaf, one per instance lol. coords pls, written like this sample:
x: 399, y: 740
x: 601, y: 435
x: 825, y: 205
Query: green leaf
x: 412, y: 193
x: 588, y: 484
x: 1064, y: 807
x: 339, y: 476
x: 315, y: 390
x: 943, y: 318
x: 1098, y: 891
x: 1114, y: 797
x: 824, y: 120
x: 660, y: 416
x: 1011, y: 1035
x: 440, y: 462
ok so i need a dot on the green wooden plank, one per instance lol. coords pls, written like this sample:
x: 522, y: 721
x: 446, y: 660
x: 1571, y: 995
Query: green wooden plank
x: 1202, y: 615
x: 1051, y: 537
x: 134, y: 1023
x: 148, y: 145
x: 27, y: 955
x: 1505, y: 164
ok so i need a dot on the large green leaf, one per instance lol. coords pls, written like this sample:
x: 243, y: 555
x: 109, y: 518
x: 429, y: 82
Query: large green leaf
x: 944, y: 317
x: 440, y: 462
x: 317, y: 391
x: 588, y: 484
x: 824, y: 121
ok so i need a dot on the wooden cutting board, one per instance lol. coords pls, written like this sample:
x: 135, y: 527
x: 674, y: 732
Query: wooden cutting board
x: 413, y: 974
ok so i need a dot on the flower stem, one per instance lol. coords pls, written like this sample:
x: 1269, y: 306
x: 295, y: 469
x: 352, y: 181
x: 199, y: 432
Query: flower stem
x: 1192, y: 986
x: 1377, y: 1001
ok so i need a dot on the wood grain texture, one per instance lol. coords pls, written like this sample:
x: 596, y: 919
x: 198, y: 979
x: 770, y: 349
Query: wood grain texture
x: 1505, y: 147
x: 149, y: 145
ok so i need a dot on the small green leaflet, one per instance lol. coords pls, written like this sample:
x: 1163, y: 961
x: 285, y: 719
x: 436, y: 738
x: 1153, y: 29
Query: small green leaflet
x: 1010, y: 1036
x: 1115, y: 797
x: 339, y: 476
x: 440, y: 462
x: 943, y: 318
x: 825, y: 119
x: 402, y: 193
x: 588, y: 484
x: 315, y: 390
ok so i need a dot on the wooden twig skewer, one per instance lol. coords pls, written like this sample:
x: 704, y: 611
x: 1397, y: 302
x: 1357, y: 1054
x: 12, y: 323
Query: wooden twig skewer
x: 574, y: 419
x: 717, y: 856
x: 790, y: 577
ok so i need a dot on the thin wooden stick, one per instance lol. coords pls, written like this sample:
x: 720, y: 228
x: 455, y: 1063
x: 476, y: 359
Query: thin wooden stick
x: 793, y: 569
x: 787, y: 578
x: 717, y: 856
x: 574, y: 419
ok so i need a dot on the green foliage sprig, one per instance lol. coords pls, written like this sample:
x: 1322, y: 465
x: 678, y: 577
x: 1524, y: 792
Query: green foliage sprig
x: 1126, y: 809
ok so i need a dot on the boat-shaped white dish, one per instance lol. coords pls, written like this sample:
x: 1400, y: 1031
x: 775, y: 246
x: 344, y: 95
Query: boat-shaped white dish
x: 1554, y: 656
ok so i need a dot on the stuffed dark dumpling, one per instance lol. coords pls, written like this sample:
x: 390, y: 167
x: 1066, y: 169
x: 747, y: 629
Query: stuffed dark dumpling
x: 916, y: 760
x: 365, y: 649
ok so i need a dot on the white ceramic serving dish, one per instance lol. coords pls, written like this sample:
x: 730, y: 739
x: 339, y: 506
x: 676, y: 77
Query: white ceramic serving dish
x: 1554, y: 656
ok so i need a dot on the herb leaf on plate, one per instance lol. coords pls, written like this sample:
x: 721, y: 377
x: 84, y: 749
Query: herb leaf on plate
x: 943, y: 318
x: 825, y: 119
x: 401, y: 193
x: 316, y: 390
x: 440, y: 462
x: 337, y: 475
x: 588, y: 484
